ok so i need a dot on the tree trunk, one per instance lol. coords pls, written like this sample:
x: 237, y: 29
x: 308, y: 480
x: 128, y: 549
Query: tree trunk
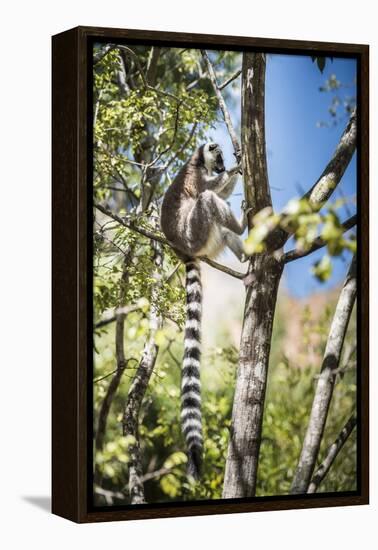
x: 325, y: 385
x: 248, y: 408
x: 262, y: 282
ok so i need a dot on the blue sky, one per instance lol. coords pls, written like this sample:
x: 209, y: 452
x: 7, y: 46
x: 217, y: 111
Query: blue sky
x: 297, y: 148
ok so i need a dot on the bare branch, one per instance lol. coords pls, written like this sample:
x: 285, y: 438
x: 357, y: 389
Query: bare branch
x: 184, y: 146
x: 152, y: 65
x: 156, y: 474
x: 220, y: 267
x: 130, y: 224
x: 318, y: 243
x: 325, y: 384
x: 222, y: 105
x: 171, y: 144
x: 109, y: 496
x: 105, y: 376
x: 331, y: 455
x: 125, y: 310
x: 333, y: 172
x: 229, y: 80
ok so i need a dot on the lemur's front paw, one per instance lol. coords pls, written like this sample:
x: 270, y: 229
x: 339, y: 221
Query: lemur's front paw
x: 245, y: 208
x: 235, y: 170
x: 238, y: 156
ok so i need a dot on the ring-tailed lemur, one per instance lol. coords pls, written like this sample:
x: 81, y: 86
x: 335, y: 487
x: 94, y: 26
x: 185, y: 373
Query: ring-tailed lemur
x: 197, y: 222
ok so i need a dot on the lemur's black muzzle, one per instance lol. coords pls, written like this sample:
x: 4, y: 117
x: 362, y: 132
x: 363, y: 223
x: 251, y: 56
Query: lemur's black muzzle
x: 219, y: 164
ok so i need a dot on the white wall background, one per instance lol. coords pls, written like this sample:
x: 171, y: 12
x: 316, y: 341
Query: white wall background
x: 25, y: 272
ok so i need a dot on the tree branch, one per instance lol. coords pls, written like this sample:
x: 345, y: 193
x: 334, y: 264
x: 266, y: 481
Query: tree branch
x: 229, y: 80
x: 325, y: 384
x: 333, y: 172
x: 109, y: 496
x: 183, y: 147
x: 318, y: 243
x: 222, y: 105
x: 331, y: 455
x: 131, y: 225
x: 125, y: 310
x: 171, y: 144
x: 157, y: 237
x: 225, y: 269
x: 152, y: 65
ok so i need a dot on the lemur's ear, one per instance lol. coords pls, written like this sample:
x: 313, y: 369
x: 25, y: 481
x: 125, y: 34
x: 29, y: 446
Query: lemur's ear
x: 213, y: 146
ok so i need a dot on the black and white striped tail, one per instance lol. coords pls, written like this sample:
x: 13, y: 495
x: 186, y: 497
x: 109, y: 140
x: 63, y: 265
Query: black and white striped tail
x: 190, y: 385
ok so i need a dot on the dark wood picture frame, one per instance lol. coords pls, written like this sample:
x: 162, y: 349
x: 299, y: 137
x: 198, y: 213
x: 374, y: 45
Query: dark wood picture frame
x: 72, y: 317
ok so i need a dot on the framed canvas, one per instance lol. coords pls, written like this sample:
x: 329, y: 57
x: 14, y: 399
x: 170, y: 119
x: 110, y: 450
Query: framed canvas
x: 210, y: 274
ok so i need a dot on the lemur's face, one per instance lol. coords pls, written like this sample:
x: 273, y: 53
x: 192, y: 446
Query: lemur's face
x: 213, y: 158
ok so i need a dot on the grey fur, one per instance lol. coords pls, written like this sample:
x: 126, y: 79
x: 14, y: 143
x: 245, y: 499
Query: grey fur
x: 195, y: 217
x: 197, y: 222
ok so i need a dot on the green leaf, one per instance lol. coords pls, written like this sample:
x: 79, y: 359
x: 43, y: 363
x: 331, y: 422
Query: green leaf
x: 322, y: 269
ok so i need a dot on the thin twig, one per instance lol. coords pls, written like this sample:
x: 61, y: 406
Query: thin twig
x: 184, y: 146
x: 156, y: 474
x: 229, y: 80
x: 331, y: 455
x: 318, y: 243
x: 158, y: 157
x: 119, y: 311
x: 222, y: 105
x: 100, y: 378
x: 131, y: 225
x: 109, y: 496
x: 220, y: 267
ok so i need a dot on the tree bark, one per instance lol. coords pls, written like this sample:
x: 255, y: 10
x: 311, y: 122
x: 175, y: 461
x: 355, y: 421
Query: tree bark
x: 262, y: 281
x: 325, y: 385
x: 255, y: 169
x: 248, y: 407
x: 321, y: 191
x: 138, y: 389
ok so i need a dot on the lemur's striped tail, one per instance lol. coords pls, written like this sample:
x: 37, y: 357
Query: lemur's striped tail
x: 190, y: 385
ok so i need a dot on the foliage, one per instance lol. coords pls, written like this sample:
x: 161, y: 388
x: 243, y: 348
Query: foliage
x: 320, y: 61
x: 342, y: 102
x: 151, y: 109
x: 306, y: 226
x: 289, y: 398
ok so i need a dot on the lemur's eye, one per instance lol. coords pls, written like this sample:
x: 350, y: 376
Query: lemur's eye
x: 212, y: 146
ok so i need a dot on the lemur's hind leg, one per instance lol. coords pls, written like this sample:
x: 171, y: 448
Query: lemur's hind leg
x: 235, y: 244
